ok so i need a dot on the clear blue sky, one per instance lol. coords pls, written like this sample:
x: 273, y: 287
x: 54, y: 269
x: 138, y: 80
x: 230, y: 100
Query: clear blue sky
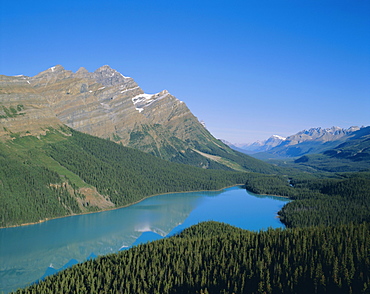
x: 249, y: 69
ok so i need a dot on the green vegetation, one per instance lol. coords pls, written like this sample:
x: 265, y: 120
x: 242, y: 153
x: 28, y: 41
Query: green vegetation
x: 205, y: 151
x: 329, y: 201
x: 319, y: 200
x: 326, y: 248
x: 128, y: 175
x: 245, y: 161
x: 217, y: 258
x: 352, y: 155
x: 116, y: 138
x: 40, y: 178
x: 29, y: 193
x: 11, y: 111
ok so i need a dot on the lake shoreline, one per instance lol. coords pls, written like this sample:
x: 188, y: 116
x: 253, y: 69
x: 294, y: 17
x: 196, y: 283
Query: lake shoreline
x: 114, y: 208
x: 33, y: 248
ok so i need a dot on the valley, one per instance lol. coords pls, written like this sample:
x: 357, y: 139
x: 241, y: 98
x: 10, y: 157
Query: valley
x: 66, y: 241
x: 84, y: 142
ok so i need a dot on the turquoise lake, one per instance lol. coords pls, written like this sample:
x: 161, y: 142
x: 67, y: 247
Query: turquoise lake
x: 28, y: 253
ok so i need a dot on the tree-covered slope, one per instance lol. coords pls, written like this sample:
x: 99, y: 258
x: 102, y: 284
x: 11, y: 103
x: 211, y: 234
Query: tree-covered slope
x: 217, y: 258
x: 67, y: 172
x: 328, y: 201
x: 319, y: 199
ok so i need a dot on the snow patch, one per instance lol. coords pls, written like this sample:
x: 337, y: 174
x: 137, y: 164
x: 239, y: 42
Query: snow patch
x: 130, y: 89
x: 124, y: 76
x: 101, y: 88
x: 52, y: 68
x: 279, y: 137
x: 143, y: 100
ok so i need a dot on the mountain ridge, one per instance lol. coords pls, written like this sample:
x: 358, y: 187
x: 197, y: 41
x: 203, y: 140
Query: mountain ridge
x: 313, y: 140
x: 109, y: 105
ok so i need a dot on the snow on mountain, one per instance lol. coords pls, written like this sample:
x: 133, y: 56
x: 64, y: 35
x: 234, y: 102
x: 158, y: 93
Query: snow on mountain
x: 143, y: 100
x: 305, y: 141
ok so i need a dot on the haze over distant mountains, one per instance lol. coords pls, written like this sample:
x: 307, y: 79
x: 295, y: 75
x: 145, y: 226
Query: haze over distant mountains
x: 258, y: 146
x: 314, y: 140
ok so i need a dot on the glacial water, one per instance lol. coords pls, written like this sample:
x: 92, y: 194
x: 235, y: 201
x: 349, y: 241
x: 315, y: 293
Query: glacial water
x: 29, y: 253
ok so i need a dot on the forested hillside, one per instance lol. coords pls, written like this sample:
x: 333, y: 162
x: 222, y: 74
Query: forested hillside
x: 326, y: 248
x: 216, y: 258
x: 319, y: 199
x: 64, y: 173
x: 329, y: 201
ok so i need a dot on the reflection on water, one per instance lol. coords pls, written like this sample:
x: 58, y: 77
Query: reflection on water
x: 27, y: 252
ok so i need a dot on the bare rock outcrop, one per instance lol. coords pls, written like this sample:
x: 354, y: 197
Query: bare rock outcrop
x: 106, y: 104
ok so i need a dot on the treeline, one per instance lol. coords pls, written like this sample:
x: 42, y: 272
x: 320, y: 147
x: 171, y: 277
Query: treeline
x: 216, y: 258
x: 29, y: 192
x: 128, y: 175
x: 40, y: 178
x: 250, y: 163
x: 319, y: 200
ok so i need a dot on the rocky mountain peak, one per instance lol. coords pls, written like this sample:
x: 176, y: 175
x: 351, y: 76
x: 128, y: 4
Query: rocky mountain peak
x: 321, y: 134
x: 277, y: 137
x: 106, y: 104
x: 55, y: 68
x: 82, y: 70
x: 51, y: 75
x: 108, y: 76
x: 105, y: 68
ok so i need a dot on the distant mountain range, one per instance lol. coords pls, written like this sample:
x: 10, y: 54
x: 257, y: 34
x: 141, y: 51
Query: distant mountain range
x: 331, y: 149
x: 106, y: 104
x: 258, y: 146
x: 351, y: 155
x: 314, y: 140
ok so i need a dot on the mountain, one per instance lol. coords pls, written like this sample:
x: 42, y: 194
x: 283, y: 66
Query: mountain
x: 260, y: 146
x: 314, y: 140
x: 66, y: 172
x: 351, y: 155
x: 22, y: 109
x: 50, y: 169
x: 106, y: 104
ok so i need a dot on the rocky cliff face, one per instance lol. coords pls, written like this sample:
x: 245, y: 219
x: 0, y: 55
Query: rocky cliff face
x: 106, y: 104
x: 319, y: 135
x: 23, y: 111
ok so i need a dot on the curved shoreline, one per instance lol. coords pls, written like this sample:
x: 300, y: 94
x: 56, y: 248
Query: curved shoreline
x: 127, y: 205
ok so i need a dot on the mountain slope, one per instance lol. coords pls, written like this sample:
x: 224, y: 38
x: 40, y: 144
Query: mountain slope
x: 314, y: 140
x: 106, y: 104
x: 66, y: 172
x: 261, y: 146
x: 351, y: 155
x: 22, y: 109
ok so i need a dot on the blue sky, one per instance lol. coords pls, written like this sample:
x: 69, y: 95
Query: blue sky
x: 249, y: 69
